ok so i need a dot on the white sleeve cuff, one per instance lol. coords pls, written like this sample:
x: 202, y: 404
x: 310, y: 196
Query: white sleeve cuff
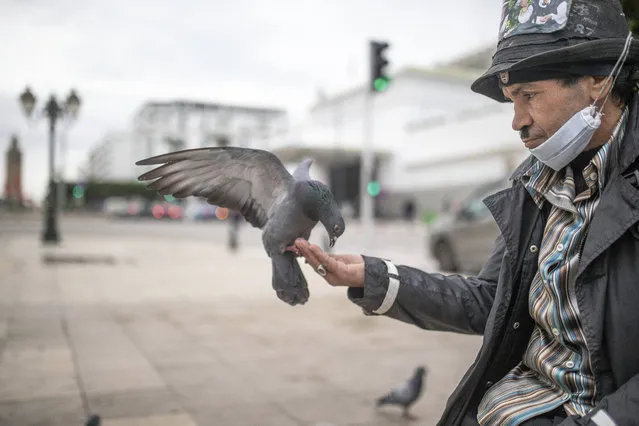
x: 393, y: 289
x: 601, y: 418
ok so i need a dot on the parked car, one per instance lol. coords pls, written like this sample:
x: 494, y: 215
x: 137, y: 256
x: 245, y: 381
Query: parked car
x: 461, y: 240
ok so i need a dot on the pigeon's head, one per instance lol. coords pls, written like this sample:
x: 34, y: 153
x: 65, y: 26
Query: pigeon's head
x: 319, y: 204
x: 335, y: 227
x: 421, y: 371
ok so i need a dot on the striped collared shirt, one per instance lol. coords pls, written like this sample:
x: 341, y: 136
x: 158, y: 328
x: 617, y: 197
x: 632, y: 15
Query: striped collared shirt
x: 555, y: 370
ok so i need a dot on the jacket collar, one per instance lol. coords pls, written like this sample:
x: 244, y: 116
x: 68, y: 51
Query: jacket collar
x: 523, y: 168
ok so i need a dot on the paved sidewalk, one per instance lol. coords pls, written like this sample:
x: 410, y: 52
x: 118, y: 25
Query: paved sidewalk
x: 165, y: 332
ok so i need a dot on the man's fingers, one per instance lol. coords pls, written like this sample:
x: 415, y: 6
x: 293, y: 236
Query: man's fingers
x: 309, y: 256
x: 315, y: 256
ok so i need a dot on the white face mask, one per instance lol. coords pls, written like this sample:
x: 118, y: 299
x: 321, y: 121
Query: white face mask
x: 575, y: 135
x: 570, y: 140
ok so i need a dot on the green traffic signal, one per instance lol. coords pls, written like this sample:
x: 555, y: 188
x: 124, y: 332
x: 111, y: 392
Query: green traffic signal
x: 78, y: 191
x: 374, y: 188
x: 381, y: 84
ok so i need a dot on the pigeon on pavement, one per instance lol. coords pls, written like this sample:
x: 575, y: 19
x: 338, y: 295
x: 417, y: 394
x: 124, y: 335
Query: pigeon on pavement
x: 255, y: 183
x: 406, y: 394
x: 94, y: 420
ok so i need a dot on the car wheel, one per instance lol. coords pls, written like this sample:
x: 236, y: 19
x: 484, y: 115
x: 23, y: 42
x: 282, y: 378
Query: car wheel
x: 445, y: 257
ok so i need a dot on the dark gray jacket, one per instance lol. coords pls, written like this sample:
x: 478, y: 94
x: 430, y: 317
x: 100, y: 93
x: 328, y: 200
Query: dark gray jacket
x: 495, y: 302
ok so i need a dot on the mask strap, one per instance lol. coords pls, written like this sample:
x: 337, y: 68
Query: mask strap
x: 616, y: 71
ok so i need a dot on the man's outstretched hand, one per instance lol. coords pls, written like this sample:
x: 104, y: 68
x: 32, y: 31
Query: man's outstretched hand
x: 342, y: 269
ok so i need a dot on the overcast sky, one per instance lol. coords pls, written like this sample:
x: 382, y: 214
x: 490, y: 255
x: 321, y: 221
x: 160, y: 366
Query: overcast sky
x: 119, y: 54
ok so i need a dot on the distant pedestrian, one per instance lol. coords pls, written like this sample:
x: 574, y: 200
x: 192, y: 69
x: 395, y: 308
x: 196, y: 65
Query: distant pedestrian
x: 235, y: 219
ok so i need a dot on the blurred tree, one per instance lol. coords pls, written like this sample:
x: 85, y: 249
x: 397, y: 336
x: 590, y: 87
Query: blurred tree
x: 631, y: 9
x: 174, y: 144
x: 101, y: 190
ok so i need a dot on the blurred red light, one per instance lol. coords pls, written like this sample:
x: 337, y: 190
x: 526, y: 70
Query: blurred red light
x: 174, y: 212
x: 221, y: 213
x: 157, y: 211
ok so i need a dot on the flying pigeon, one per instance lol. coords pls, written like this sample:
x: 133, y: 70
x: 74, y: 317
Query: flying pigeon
x: 406, y: 394
x: 255, y: 183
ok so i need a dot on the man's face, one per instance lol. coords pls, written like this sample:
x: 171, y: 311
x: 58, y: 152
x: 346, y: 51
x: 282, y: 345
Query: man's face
x: 542, y: 107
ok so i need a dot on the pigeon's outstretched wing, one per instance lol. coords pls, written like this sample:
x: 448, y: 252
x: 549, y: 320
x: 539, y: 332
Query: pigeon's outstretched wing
x: 250, y: 181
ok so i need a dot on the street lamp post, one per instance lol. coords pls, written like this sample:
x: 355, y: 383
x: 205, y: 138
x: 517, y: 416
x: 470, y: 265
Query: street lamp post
x: 53, y: 111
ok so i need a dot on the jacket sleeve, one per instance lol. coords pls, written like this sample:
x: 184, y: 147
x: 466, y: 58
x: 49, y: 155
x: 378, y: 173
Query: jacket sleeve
x: 619, y: 408
x: 432, y: 301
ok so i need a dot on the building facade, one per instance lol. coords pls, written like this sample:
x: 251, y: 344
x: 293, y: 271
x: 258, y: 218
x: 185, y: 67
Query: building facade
x: 110, y: 159
x: 160, y: 127
x: 168, y: 126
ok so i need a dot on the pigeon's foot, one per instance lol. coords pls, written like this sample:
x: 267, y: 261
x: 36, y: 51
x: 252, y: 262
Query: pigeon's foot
x: 294, y: 250
x: 408, y: 416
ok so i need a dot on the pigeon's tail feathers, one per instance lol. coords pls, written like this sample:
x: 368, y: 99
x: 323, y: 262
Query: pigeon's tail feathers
x: 94, y: 420
x: 386, y: 399
x: 289, y: 282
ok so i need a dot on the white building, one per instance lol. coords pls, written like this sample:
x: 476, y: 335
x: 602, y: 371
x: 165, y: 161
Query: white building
x: 160, y: 127
x: 166, y: 126
x: 110, y: 158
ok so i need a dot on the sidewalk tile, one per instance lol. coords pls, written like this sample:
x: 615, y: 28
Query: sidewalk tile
x: 57, y: 411
x: 181, y: 419
x: 134, y: 403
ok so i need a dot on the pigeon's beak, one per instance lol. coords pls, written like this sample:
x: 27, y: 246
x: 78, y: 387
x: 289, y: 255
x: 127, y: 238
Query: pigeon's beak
x: 331, y: 242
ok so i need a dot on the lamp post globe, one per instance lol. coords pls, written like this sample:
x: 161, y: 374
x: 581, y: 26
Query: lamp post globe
x: 27, y: 101
x: 72, y: 104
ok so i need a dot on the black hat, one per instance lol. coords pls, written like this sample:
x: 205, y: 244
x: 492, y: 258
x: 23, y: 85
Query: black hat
x: 584, y: 37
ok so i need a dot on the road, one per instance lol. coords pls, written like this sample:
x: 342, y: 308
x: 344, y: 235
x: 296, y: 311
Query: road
x: 404, y: 243
x: 176, y: 330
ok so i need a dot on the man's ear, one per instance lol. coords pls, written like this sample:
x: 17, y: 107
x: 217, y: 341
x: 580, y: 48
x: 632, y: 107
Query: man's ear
x: 599, y: 87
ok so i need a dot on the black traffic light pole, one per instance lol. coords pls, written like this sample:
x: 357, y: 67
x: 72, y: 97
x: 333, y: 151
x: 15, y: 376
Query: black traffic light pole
x: 378, y: 82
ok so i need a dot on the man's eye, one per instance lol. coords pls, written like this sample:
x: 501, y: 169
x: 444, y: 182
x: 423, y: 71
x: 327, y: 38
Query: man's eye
x: 529, y: 95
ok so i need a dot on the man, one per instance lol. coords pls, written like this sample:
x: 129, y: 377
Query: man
x: 558, y: 300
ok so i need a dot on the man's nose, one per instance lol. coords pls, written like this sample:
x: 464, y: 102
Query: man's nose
x: 521, y: 118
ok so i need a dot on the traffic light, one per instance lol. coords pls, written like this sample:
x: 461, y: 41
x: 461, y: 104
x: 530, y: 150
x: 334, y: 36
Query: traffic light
x: 379, y: 80
x: 78, y: 191
x: 374, y: 188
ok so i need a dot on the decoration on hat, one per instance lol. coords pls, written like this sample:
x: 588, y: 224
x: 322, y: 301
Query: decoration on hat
x: 533, y: 17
